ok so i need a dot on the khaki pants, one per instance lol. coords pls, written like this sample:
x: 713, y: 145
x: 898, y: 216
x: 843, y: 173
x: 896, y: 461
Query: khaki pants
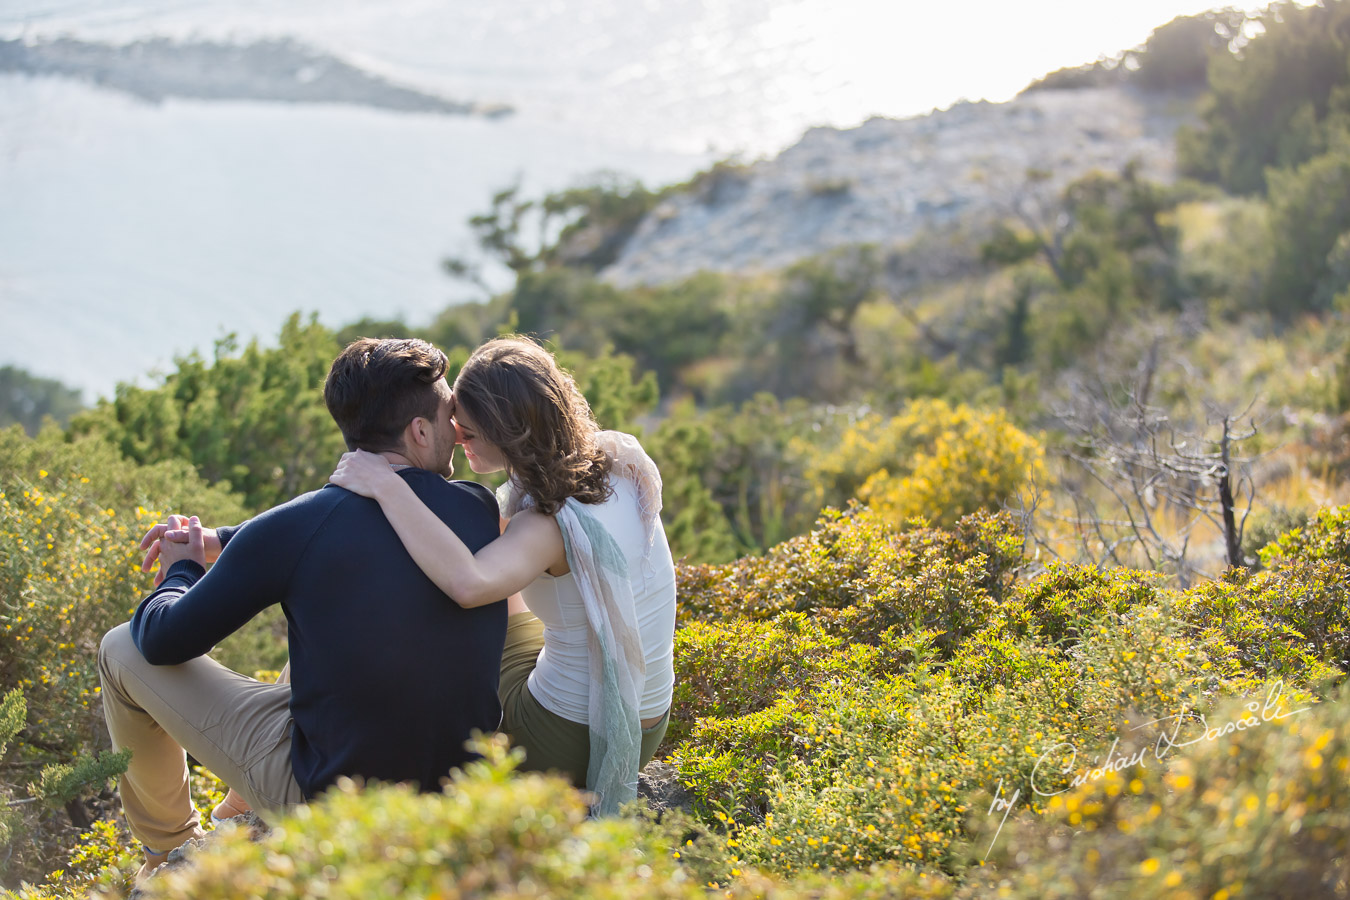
x: 238, y: 728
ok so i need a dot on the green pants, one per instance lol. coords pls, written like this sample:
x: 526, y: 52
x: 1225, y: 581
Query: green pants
x: 551, y: 742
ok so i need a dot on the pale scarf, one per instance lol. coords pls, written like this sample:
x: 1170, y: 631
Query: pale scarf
x: 618, y: 667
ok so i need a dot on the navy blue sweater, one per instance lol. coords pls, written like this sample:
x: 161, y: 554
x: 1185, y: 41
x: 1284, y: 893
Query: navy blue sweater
x: 388, y: 675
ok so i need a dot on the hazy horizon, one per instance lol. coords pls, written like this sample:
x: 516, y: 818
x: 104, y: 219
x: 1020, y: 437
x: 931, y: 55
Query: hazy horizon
x: 233, y: 215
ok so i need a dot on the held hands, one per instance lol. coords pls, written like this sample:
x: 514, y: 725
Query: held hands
x: 179, y: 538
x: 363, y: 473
x: 175, y: 531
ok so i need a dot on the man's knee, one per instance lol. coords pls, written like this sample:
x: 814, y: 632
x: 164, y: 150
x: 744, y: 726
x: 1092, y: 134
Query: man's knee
x: 115, y: 647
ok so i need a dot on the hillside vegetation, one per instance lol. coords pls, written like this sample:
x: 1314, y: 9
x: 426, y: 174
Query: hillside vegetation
x: 1013, y: 558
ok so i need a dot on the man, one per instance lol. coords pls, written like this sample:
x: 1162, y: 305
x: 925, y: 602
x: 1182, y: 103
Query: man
x: 388, y: 676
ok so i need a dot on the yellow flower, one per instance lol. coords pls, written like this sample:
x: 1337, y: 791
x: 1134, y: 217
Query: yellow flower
x: 1149, y: 866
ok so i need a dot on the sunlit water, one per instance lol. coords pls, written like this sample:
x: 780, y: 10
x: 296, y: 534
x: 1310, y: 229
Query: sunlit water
x: 131, y: 232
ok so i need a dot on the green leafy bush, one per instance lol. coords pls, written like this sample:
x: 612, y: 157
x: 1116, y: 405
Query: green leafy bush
x: 254, y: 419
x: 1272, y: 104
x: 70, y: 568
x: 887, y: 766
x: 489, y: 834
x: 848, y: 555
x: 1060, y: 599
x: 1310, y: 210
x: 745, y: 688
x: 1324, y: 537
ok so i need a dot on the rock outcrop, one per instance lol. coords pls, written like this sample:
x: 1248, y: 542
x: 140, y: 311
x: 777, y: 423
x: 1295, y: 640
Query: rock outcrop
x: 277, y: 71
x: 182, y: 856
x: 660, y: 786
x: 888, y: 180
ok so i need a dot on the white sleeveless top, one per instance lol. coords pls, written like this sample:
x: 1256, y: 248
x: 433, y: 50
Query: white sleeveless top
x: 561, y: 679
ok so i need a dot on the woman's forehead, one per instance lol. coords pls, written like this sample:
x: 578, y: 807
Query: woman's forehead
x: 463, y: 418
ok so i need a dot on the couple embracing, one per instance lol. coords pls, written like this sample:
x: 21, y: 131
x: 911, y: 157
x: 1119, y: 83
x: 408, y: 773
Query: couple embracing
x: 418, y: 610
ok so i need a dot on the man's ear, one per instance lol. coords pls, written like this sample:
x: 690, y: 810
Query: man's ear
x: 418, y: 433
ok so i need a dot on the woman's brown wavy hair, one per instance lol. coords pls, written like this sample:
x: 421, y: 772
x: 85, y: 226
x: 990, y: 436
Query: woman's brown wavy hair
x: 531, y: 409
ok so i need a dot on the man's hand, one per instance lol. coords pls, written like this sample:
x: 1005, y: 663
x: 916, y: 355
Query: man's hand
x: 155, y: 538
x: 171, y: 549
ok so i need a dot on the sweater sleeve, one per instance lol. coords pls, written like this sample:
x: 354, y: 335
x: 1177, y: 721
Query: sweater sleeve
x: 193, y: 610
x: 226, y: 533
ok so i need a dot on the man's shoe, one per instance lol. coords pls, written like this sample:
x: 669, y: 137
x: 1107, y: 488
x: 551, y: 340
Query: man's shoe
x: 231, y: 807
x: 152, y: 863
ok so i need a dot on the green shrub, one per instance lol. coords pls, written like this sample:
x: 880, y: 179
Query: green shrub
x: 1292, y: 617
x: 70, y: 568
x: 490, y: 834
x: 1265, y: 526
x: 743, y: 462
x: 1310, y: 211
x: 1324, y: 537
x: 252, y: 419
x: 848, y: 555
x: 875, y: 687
x: 727, y: 669
x: 1059, y: 599
x: 743, y: 687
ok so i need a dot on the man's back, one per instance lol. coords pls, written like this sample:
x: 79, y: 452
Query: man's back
x: 388, y: 675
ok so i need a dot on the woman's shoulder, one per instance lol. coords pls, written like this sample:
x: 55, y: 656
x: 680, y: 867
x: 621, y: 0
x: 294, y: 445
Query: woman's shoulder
x: 623, y: 449
x: 631, y: 466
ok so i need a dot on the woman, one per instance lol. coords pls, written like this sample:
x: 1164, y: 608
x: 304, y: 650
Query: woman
x: 587, y: 671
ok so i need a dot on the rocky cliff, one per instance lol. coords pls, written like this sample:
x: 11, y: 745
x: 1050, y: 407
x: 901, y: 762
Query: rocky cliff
x: 889, y: 180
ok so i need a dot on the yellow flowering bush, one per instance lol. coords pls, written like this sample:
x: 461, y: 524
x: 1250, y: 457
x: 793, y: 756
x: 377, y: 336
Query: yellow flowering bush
x: 1261, y: 810
x: 850, y: 710
x: 933, y: 461
x: 68, y: 569
x: 834, y: 733
x: 492, y: 833
x: 890, y: 765
x: 71, y: 515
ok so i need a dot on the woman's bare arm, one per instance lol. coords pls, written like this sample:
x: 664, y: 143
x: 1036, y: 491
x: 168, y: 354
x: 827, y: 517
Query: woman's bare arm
x: 530, y: 544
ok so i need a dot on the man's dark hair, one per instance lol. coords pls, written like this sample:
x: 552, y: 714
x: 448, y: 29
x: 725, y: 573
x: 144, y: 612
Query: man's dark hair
x: 376, y: 387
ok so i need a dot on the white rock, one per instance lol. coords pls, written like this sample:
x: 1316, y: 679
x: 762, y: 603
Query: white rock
x: 888, y: 180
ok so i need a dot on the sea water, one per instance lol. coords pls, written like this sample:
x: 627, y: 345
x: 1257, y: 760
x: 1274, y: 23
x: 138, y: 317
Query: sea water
x: 131, y: 233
